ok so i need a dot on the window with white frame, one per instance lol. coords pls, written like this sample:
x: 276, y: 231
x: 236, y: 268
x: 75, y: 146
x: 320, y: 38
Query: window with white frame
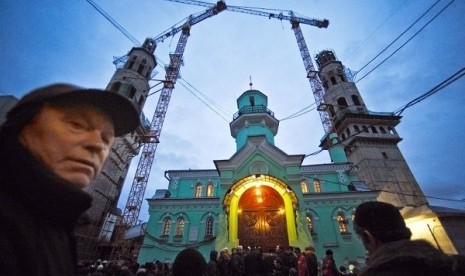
x: 304, y: 186
x: 198, y: 190
x: 209, y: 227
x: 166, y: 227
x: 310, y: 224
x: 342, y: 222
x: 209, y: 190
x: 179, y: 227
x: 317, y: 185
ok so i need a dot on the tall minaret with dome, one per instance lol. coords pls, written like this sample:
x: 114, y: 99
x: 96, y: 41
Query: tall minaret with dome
x: 369, y: 138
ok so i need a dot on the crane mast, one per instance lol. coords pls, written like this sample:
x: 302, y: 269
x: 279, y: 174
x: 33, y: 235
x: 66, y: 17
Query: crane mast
x: 139, y: 184
x: 312, y: 74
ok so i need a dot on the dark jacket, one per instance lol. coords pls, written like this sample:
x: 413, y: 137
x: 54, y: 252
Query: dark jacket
x: 253, y: 263
x: 38, y: 213
x: 212, y: 269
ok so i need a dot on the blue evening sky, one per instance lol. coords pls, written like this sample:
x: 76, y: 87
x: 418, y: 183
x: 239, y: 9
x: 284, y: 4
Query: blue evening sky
x: 48, y: 41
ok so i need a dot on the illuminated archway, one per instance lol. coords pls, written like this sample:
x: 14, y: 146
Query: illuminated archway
x: 231, y: 203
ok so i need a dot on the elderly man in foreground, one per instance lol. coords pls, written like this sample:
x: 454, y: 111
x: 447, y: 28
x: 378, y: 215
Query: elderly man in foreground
x: 53, y: 143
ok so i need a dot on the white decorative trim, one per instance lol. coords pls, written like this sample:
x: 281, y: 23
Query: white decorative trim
x: 324, y: 168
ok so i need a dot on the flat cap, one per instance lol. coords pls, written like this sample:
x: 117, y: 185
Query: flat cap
x: 120, y: 109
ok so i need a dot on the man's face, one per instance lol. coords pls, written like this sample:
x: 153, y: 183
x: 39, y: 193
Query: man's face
x: 72, y: 142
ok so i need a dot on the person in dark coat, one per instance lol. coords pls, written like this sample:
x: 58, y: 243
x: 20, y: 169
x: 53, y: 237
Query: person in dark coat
x: 290, y: 261
x: 189, y: 262
x: 312, y: 261
x: 212, y: 266
x: 378, y: 223
x: 411, y: 258
x: 224, y: 263
x: 53, y: 143
x: 253, y: 262
x: 329, y: 267
x: 237, y: 261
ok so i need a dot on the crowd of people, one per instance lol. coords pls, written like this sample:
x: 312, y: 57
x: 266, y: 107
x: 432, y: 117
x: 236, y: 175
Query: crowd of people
x: 379, y: 225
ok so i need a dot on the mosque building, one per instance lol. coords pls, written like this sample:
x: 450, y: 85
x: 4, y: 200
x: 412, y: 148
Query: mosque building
x: 262, y: 196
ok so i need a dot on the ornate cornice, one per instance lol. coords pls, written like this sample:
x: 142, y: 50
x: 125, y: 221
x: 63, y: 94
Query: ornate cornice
x: 192, y: 173
x: 198, y: 202
x: 324, y: 198
x: 324, y: 168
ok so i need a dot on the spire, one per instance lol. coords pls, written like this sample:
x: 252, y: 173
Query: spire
x: 250, y: 83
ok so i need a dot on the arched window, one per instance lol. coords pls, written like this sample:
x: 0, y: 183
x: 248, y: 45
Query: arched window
x: 357, y: 129
x: 310, y: 224
x: 356, y: 100
x: 342, y: 103
x: 131, y: 63
x: 348, y: 132
x: 383, y: 131
x: 365, y: 129
x: 179, y: 227
x: 166, y: 227
x: 115, y: 86
x: 317, y: 185
x: 342, y: 223
x: 373, y: 129
x: 304, y: 186
x: 209, y: 227
x: 209, y: 189
x: 333, y: 80
x: 391, y: 130
x: 140, y: 69
x: 198, y: 190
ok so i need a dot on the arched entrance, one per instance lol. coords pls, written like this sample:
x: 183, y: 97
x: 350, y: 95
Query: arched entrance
x: 261, y: 218
x: 238, y: 204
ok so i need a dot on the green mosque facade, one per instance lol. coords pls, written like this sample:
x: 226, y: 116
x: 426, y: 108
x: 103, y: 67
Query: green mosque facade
x: 260, y: 196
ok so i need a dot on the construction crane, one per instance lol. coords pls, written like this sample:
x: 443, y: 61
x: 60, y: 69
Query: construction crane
x: 139, y: 184
x: 312, y: 73
x: 132, y: 208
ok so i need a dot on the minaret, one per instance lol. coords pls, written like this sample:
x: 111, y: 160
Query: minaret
x: 370, y: 138
x: 131, y: 79
x: 134, y: 72
x: 253, y: 118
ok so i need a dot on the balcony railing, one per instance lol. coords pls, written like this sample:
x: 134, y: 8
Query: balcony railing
x: 250, y: 109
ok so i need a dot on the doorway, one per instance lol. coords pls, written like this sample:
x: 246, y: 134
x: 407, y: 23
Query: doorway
x: 261, y: 218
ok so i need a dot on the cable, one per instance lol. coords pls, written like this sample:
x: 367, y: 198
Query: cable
x: 299, y: 113
x: 376, y: 30
x: 421, y: 29
x: 432, y: 91
x: 399, y: 111
x: 387, y: 191
x: 219, y: 107
x: 204, y: 102
x: 114, y: 23
x: 398, y: 37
